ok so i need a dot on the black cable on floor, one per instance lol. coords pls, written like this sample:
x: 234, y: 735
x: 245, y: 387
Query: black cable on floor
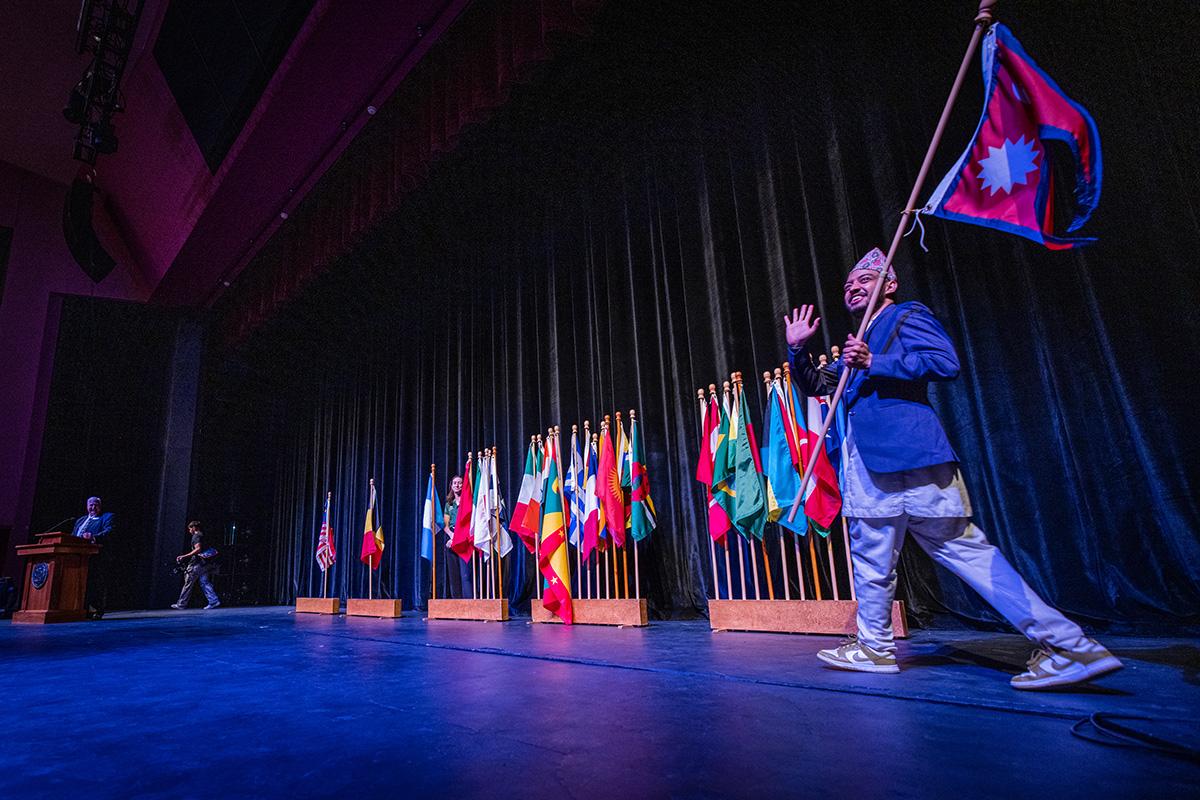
x: 1103, y: 728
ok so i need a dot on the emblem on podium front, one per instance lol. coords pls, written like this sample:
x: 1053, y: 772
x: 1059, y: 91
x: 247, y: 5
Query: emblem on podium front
x: 41, y: 572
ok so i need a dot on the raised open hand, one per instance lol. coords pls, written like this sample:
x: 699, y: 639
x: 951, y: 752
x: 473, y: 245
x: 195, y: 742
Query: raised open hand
x: 800, y: 327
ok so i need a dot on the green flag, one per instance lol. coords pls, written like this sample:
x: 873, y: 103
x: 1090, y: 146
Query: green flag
x: 750, y: 508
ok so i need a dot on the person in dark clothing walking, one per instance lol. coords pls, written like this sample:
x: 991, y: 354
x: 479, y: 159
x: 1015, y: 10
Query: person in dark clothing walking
x: 197, y: 570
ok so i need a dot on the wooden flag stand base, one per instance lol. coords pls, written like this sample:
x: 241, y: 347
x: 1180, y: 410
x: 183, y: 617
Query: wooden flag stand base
x: 795, y: 616
x: 477, y: 610
x: 357, y: 607
x: 318, y: 605
x: 622, y: 613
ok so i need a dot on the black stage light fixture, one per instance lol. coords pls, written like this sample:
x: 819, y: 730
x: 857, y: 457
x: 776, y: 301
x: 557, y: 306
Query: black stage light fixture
x: 105, y: 29
x: 76, y: 103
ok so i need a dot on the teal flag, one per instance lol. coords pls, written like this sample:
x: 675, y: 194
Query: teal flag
x: 750, y: 503
x: 782, y: 480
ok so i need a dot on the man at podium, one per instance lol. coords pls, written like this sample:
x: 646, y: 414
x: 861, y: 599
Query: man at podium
x: 95, y: 527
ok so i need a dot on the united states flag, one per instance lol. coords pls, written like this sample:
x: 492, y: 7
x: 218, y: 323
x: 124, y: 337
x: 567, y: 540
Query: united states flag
x: 326, y: 552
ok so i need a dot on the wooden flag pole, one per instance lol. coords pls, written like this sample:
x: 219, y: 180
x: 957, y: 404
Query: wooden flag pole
x: 537, y: 540
x: 726, y: 387
x: 983, y: 20
x: 636, y: 573
x: 835, y: 354
x: 787, y: 592
x: 329, y: 533
x: 433, y: 533
x: 562, y: 500
x: 728, y: 572
x: 849, y: 562
x: 739, y: 398
x: 812, y: 554
x: 790, y: 405
x: 625, y: 503
x: 712, y: 546
x: 579, y: 529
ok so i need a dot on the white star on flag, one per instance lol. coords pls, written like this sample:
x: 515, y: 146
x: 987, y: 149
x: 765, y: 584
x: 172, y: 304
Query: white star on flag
x: 1008, y: 165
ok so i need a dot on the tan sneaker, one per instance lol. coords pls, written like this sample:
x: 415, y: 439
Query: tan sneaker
x: 1049, y: 666
x: 853, y: 655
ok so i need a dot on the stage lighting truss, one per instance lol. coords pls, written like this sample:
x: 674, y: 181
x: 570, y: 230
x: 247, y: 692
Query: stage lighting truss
x: 105, y: 29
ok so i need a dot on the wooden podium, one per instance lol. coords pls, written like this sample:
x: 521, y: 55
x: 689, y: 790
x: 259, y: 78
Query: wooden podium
x: 56, y: 573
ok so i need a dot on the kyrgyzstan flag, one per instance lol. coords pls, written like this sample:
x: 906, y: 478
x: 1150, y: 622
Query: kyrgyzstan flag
x: 610, y: 491
x: 1004, y: 180
x: 463, y: 540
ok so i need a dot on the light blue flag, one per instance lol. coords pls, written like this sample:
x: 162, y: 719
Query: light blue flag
x: 431, y: 520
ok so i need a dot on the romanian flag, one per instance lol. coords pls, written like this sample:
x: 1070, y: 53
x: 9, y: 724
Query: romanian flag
x: 552, y: 553
x: 642, y: 515
x: 463, y: 540
x: 610, y: 491
x: 372, y: 546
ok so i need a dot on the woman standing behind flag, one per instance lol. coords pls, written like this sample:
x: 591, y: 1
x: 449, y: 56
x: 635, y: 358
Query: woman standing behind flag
x: 458, y: 573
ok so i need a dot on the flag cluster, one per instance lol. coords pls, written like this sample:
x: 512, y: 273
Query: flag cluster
x: 479, y: 527
x: 745, y: 487
x: 591, y: 495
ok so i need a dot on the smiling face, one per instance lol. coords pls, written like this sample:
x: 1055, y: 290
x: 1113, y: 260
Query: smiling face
x: 858, y: 287
x: 93, y: 506
x: 456, y: 484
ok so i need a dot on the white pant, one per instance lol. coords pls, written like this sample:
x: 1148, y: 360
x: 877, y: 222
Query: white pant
x: 959, y: 546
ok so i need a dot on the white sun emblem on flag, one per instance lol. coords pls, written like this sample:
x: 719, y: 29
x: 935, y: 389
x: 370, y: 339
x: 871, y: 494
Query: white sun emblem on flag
x: 1008, y: 165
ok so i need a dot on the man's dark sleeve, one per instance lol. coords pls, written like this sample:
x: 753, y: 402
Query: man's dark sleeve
x: 927, y: 353
x: 806, y: 377
x: 106, y: 526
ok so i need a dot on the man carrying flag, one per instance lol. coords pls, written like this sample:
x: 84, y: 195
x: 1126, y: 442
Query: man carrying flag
x: 902, y: 476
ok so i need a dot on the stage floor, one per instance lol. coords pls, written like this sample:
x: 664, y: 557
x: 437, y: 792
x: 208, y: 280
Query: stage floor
x: 241, y: 702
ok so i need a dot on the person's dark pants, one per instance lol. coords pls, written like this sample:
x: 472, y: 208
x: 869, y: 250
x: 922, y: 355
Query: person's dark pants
x: 194, y: 574
x: 96, y: 594
x: 457, y: 577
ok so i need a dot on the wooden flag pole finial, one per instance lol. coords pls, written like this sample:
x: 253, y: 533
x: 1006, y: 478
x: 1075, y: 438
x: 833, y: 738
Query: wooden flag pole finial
x: 725, y: 386
x: 767, y: 379
x: 984, y: 17
x: 822, y: 360
x: 778, y: 374
x: 836, y: 352
x: 700, y: 394
x: 574, y: 429
x: 712, y: 388
x: 632, y: 415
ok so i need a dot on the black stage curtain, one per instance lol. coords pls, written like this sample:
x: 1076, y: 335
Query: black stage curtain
x: 634, y: 224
